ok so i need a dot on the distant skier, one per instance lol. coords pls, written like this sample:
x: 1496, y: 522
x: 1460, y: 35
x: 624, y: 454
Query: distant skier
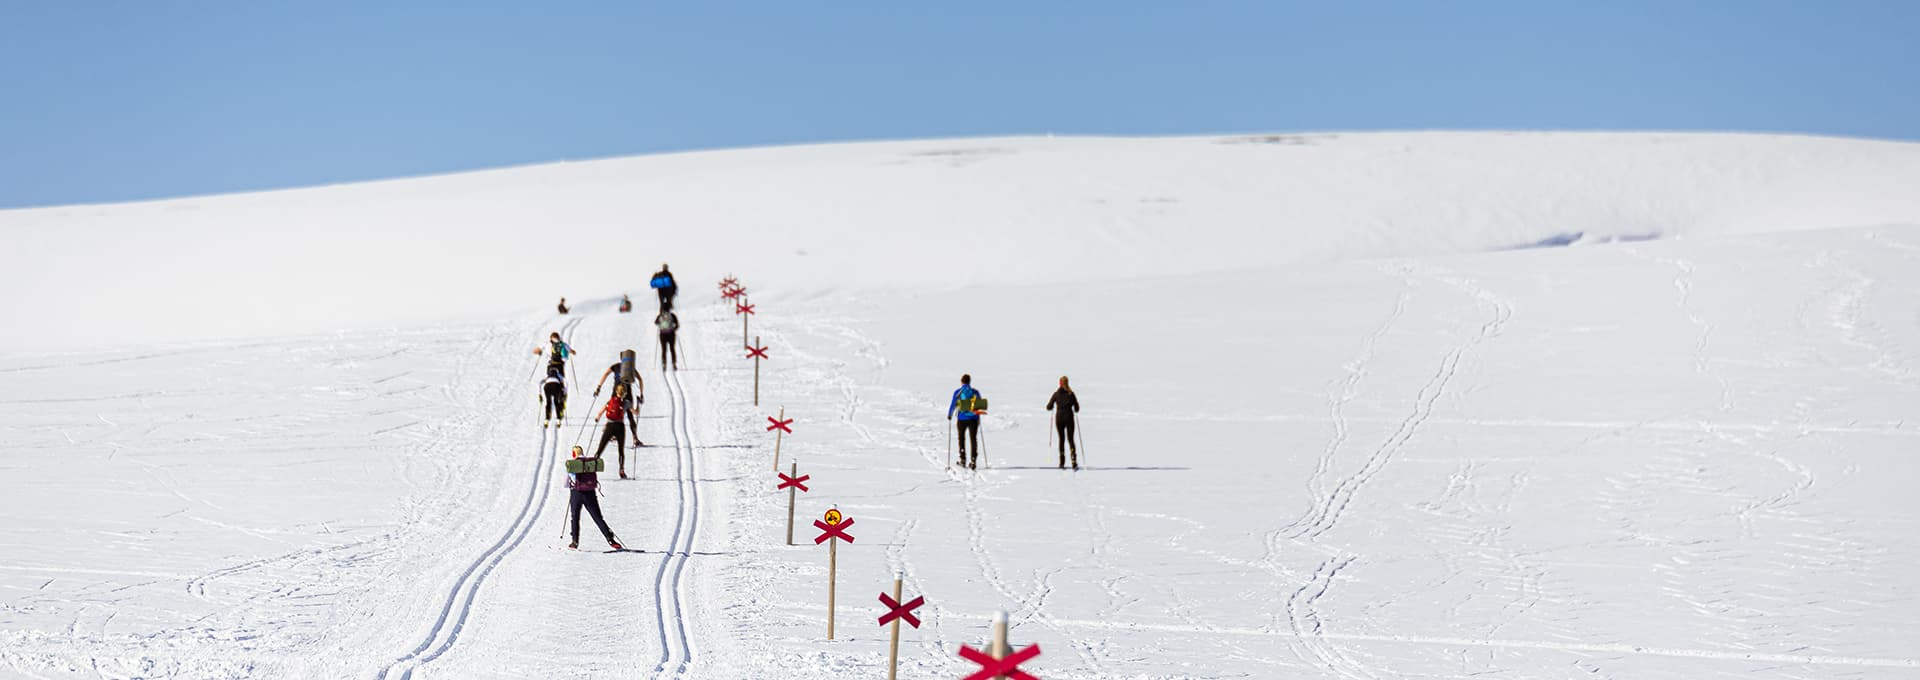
x: 967, y: 404
x: 615, y: 431
x: 669, y: 324
x: 626, y: 304
x: 554, y: 396
x: 628, y: 387
x: 563, y: 305
x: 584, y: 487
x: 663, y: 284
x: 1063, y: 420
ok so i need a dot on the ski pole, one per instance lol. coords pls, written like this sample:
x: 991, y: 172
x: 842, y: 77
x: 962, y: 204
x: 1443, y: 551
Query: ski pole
x: 949, y: 442
x: 1082, y: 436
x: 980, y: 432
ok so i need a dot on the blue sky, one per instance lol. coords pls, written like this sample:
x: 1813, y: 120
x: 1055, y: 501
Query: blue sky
x: 133, y: 100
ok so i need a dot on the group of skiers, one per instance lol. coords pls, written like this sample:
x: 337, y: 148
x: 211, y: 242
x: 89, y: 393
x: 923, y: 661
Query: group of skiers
x: 968, y: 405
x: 621, y: 410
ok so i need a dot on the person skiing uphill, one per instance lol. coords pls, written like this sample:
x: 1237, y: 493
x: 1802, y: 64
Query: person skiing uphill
x: 626, y: 303
x: 554, y: 396
x: 563, y: 305
x: 669, y: 324
x: 615, y: 412
x: 583, y: 487
x: 965, y: 404
x: 626, y: 375
x: 1063, y: 420
x: 558, y: 353
x: 663, y: 284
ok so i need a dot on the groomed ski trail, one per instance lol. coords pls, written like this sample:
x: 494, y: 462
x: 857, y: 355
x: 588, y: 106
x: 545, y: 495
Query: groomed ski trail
x: 676, y: 653
x: 459, y: 601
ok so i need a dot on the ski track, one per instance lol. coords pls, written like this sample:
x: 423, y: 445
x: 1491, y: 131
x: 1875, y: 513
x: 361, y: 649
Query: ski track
x: 460, y: 598
x: 669, y: 585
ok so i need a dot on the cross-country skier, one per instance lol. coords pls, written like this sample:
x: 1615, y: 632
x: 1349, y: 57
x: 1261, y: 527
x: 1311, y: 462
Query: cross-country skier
x: 584, y: 486
x: 563, y: 305
x: 559, y: 353
x: 1063, y: 420
x: 629, y: 387
x: 669, y: 324
x: 663, y: 283
x: 614, y: 412
x: 968, y: 421
x: 626, y: 303
x: 554, y: 396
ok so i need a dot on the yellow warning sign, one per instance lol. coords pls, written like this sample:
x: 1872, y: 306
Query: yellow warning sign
x: 833, y: 516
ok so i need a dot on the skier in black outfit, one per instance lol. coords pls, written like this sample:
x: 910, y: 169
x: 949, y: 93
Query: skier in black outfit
x: 584, y: 486
x: 1063, y: 420
x: 965, y: 403
x: 554, y: 393
x: 669, y: 324
x: 563, y: 305
x: 663, y: 283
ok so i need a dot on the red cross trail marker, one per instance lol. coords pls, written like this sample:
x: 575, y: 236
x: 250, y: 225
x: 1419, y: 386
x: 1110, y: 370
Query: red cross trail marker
x: 732, y: 293
x: 781, y: 425
x: 1007, y: 667
x: 838, y: 531
x: 795, y: 482
x: 728, y: 282
x: 756, y: 354
x: 904, y: 612
x: 742, y: 309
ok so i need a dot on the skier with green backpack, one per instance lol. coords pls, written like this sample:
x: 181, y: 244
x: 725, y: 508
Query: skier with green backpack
x: 965, y: 410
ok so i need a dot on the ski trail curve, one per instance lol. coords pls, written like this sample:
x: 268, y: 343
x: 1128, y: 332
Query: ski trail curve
x: 459, y: 601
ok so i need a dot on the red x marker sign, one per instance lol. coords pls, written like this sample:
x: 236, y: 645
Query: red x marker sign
x: 781, y: 425
x: 732, y: 293
x: 795, y: 482
x: 993, y: 668
x: 742, y: 309
x: 757, y: 353
x: 728, y: 282
x: 838, y: 531
x: 904, y: 612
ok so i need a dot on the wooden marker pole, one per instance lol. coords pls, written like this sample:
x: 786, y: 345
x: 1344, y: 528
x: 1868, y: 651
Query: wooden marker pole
x: 893, y: 646
x: 791, y: 494
x: 776, y: 440
x: 756, y: 374
x: 999, y: 648
x: 833, y: 579
x: 743, y: 324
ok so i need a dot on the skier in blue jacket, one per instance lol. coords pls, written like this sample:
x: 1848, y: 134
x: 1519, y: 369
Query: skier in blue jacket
x: 968, y: 421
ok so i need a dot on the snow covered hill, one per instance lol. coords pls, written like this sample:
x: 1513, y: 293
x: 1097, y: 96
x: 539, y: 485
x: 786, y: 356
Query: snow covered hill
x: 941, y: 213
x: 1346, y: 416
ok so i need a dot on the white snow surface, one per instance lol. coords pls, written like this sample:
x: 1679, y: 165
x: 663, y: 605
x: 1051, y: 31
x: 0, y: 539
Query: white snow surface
x: 1340, y: 421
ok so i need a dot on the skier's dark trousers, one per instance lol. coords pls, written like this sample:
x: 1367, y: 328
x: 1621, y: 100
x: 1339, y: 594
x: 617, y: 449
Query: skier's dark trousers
x: 1068, y: 405
x: 967, y: 420
x: 583, y: 487
x: 555, y: 392
x: 615, y: 431
x: 669, y: 325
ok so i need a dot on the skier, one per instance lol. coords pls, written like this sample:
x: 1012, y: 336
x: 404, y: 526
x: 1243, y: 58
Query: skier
x: 669, y: 324
x: 554, y: 393
x: 966, y: 401
x: 584, y: 486
x: 663, y: 283
x: 626, y: 303
x: 563, y: 305
x: 628, y: 387
x: 561, y: 352
x: 1063, y: 420
x: 615, y: 431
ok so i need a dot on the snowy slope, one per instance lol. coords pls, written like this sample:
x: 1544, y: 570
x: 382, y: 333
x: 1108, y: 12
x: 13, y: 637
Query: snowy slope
x: 1680, y: 458
x: 475, y: 246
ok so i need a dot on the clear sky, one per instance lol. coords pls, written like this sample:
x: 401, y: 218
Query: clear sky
x: 131, y: 100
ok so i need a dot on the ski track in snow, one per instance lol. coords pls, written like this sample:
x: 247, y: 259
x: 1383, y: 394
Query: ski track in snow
x: 459, y: 601
x: 676, y: 652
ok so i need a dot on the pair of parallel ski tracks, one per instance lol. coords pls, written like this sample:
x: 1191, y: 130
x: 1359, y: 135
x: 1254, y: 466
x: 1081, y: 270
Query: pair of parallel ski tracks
x: 676, y: 652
